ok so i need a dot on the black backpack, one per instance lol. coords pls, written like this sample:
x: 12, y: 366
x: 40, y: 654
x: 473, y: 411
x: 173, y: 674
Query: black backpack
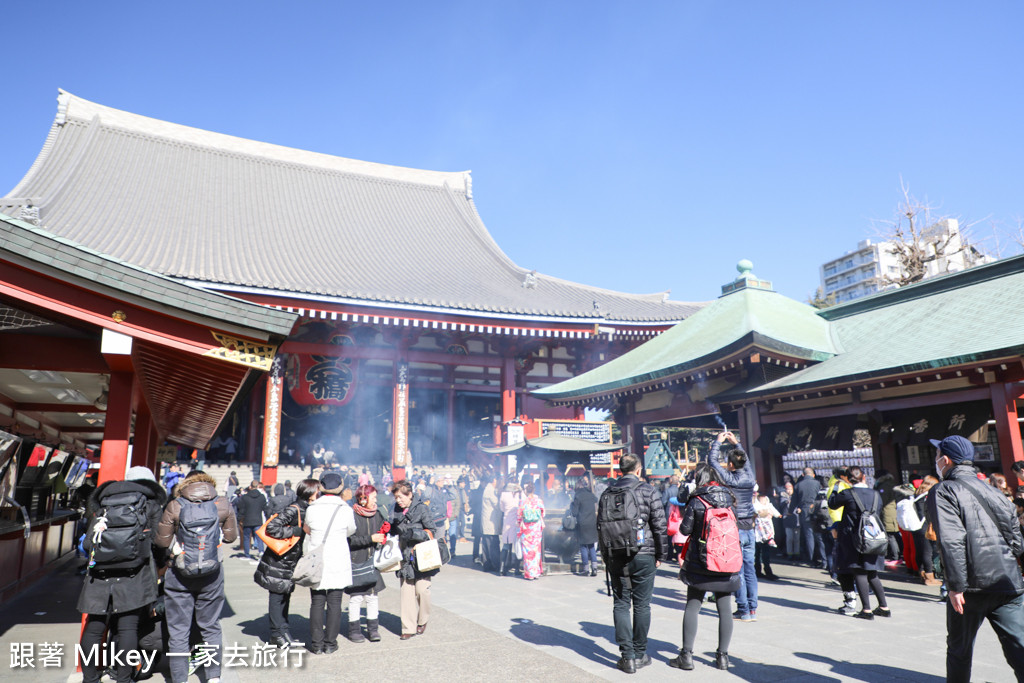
x: 119, y: 532
x: 198, y: 536
x: 870, y: 538
x: 619, y: 522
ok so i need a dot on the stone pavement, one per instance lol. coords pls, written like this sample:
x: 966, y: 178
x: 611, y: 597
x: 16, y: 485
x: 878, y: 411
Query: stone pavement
x: 557, y: 629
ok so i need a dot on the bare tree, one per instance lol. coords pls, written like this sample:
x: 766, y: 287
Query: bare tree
x: 916, y: 240
x: 819, y: 300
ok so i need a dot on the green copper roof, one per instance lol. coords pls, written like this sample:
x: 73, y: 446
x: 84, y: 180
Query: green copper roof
x: 744, y: 317
x: 946, y: 321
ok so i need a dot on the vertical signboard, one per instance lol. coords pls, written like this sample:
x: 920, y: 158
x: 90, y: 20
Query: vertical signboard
x: 400, y: 437
x: 272, y: 422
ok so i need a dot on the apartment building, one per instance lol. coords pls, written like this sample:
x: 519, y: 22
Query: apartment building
x: 862, y: 271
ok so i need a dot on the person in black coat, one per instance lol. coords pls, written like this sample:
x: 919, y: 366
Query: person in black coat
x: 369, y: 522
x: 117, y: 594
x: 251, y: 506
x: 274, y: 572
x: 863, y: 568
x: 412, y: 523
x: 584, y: 509
x: 695, y: 573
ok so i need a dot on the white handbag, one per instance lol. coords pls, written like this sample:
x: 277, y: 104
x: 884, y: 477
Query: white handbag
x: 428, y: 555
x: 388, y: 557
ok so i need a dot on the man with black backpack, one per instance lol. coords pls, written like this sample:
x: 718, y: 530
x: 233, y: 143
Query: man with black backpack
x: 121, y: 579
x: 631, y: 533
x: 192, y: 528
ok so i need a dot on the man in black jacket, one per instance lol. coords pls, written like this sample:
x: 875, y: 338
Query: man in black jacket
x: 251, y: 509
x: 632, y: 575
x: 805, y: 495
x: 738, y: 475
x: 979, y: 538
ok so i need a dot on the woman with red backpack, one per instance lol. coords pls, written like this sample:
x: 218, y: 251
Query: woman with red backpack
x: 711, y: 562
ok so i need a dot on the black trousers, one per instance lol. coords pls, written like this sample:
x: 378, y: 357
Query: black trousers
x: 320, y: 632
x: 1004, y: 612
x: 277, y: 610
x: 126, y: 625
x: 489, y: 548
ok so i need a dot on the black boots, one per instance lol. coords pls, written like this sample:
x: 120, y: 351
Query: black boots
x: 371, y: 630
x: 684, y: 661
x: 355, y: 634
x: 722, y: 660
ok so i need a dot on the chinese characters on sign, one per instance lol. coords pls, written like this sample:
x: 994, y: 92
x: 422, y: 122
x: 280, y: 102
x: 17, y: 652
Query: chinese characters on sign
x: 272, y: 421
x: 51, y: 655
x: 599, y: 432
x: 400, y: 442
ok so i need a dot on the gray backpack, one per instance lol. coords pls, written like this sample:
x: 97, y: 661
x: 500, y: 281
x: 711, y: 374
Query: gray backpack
x: 198, y: 536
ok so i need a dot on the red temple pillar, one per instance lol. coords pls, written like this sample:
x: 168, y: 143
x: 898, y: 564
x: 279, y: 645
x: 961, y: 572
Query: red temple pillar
x: 508, y: 389
x: 142, y: 443
x: 449, y: 372
x: 400, y: 421
x: 117, y: 430
x: 1004, y: 409
x: 272, y: 422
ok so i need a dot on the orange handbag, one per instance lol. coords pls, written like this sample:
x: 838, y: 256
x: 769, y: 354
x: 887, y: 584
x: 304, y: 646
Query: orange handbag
x: 279, y: 545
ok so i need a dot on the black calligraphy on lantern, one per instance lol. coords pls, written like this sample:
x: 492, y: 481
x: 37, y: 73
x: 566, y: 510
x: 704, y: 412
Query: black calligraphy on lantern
x: 329, y: 378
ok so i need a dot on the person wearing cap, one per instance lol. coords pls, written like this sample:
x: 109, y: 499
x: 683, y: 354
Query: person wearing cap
x: 329, y: 522
x: 979, y: 538
x: 116, y: 594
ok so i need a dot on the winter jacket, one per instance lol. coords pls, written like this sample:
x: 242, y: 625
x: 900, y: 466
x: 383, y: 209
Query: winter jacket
x: 411, y: 526
x: 123, y: 589
x: 251, y: 507
x: 848, y: 560
x: 490, y: 513
x: 361, y: 546
x: 651, y: 510
x: 978, y: 551
x: 280, y: 500
x: 196, y: 492
x: 509, y: 504
x: 741, y: 482
x: 337, y: 558
x: 695, y: 572
x: 804, y: 494
x: 886, y: 486
x: 274, y: 572
x: 835, y: 484
x: 584, y: 509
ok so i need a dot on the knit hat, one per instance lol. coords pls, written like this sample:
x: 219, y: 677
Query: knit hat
x: 956, y: 448
x: 138, y: 473
x: 331, y: 482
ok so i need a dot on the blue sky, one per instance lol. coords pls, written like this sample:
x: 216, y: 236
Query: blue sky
x: 634, y: 146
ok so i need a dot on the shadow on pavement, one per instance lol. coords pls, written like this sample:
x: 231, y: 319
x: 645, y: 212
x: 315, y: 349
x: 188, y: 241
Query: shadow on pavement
x: 537, y: 634
x: 762, y: 673
x: 856, y: 671
x: 794, y: 604
x: 658, y: 649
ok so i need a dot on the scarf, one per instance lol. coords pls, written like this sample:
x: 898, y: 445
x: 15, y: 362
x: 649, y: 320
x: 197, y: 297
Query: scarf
x: 364, y: 511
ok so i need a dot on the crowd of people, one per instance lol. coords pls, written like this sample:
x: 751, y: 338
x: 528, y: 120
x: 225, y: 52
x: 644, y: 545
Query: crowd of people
x: 164, y: 591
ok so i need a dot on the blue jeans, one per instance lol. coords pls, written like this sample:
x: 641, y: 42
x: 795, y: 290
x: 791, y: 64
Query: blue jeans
x: 588, y: 556
x: 1004, y: 612
x: 746, y: 596
x: 632, y: 587
x: 249, y: 537
x: 814, y: 546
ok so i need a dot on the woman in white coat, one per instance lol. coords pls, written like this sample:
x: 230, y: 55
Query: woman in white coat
x: 329, y: 522
x: 509, y: 504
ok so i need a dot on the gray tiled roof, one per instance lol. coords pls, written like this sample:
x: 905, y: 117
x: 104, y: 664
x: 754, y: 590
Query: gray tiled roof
x: 35, y: 246
x: 220, y: 210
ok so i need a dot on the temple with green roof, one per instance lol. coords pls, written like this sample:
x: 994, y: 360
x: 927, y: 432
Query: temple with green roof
x: 940, y: 357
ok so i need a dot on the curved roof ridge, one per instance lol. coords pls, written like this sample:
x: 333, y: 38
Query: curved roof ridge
x: 72, y: 106
x: 656, y: 296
